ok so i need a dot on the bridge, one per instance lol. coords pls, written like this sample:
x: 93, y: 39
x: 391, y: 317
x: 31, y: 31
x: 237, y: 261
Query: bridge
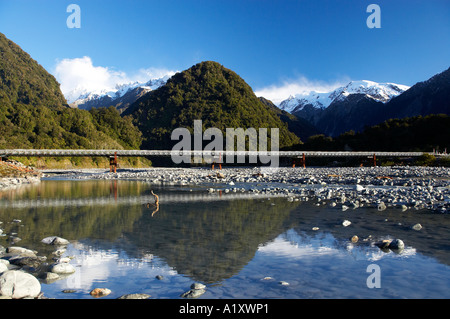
x: 215, y: 156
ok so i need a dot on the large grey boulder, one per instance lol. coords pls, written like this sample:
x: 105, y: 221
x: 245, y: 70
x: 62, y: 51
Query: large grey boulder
x: 18, y: 284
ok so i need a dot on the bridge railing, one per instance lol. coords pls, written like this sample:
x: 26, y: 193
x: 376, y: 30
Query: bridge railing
x: 137, y: 153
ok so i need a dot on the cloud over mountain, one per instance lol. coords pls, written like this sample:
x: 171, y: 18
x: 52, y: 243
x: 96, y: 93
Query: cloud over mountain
x: 301, y: 85
x: 79, y: 76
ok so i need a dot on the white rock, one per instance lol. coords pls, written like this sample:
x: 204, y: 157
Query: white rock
x: 24, y: 252
x: 18, y: 284
x: 3, y: 267
x: 62, y: 268
x: 346, y: 223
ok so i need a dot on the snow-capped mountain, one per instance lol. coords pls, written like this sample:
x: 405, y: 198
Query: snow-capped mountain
x: 116, y: 96
x: 381, y: 92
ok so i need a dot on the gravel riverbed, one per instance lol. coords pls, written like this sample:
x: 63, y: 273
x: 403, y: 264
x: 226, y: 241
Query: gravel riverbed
x: 403, y: 187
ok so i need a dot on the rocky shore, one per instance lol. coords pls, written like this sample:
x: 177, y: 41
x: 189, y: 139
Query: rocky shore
x: 14, y: 174
x: 350, y: 187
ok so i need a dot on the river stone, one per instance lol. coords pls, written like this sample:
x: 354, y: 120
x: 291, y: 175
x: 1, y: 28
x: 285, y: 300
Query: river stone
x: 383, y: 244
x: 18, y: 284
x: 62, y: 268
x: 3, y: 267
x: 397, y: 244
x: 381, y: 206
x: 135, y: 296
x: 193, y: 293
x: 55, y: 240
x: 24, y: 252
x: 34, y: 262
x: 417, y: 227
x: 100, y: 292
x: 49, y: 277
x: 197, y: 285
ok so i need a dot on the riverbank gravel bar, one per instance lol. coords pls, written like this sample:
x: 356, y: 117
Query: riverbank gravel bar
x: 403, y: 187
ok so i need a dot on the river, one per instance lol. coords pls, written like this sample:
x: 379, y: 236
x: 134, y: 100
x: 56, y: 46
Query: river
x: 240, y: 245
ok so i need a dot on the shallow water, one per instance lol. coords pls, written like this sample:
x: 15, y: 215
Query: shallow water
x: 239, y: 245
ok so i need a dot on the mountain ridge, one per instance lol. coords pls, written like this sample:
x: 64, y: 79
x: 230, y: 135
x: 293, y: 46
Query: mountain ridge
x: 209, y: 92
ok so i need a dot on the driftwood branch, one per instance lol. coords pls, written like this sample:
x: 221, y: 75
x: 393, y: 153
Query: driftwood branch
x: 156, y: 204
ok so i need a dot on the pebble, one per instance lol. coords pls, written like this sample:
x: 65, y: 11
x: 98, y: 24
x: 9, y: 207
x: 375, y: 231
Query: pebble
x: 354, y: 239
x: 346, y: 223
x: 100, y: 292
x: 135, y: 296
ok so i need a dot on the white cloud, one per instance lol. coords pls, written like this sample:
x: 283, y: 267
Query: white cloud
x: 79, y: 76
x: 279, y: 92
x: 144, y: 75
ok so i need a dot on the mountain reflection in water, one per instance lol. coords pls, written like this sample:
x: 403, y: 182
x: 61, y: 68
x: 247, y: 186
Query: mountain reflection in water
x: 230, y: 242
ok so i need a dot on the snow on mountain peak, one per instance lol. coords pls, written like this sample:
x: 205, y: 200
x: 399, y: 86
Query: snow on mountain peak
x: 382, y: 92
x: 81, y: 95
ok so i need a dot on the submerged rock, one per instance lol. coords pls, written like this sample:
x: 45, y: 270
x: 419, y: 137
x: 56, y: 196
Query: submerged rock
x: 135, y: 296
x: 397, y: 245
x: 100, y: 292
x: 197, y: 289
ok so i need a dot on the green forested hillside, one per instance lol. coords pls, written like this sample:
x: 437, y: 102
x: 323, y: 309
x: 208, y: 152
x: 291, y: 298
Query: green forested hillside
x: 35, y: 114
x: 208, y: 92
x: 420, y: 133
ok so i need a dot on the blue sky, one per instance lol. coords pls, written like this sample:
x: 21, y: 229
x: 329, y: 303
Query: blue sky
x: 277, y: 46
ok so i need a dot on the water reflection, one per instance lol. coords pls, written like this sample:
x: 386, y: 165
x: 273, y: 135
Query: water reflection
x: 228, y: 241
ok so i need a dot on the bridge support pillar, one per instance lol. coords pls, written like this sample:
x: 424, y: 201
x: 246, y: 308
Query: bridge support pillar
x: 301, y: 161
x: 374, y: 160
x: 220, y: 162
x: 213, y: 163
x: 113, y: 163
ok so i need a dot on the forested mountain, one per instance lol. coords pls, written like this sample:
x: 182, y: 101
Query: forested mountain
x: 419, y: 133
x: 364, y: 103
x: 209, y: 92
x: 35, y: 114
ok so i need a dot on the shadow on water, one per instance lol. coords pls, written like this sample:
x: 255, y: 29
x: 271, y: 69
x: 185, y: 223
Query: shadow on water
x: 204, y: 237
